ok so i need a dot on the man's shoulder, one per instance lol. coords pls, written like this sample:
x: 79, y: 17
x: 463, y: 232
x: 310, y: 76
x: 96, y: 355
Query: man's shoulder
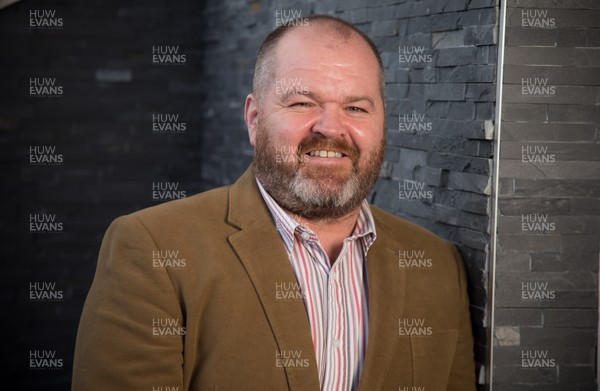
x: 211, y: 203
x: 422, y: 244
x: 399, y: 227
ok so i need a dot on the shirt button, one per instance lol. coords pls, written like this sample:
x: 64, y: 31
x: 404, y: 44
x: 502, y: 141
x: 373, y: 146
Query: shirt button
x: 337, y: 344
x: 305, y: 235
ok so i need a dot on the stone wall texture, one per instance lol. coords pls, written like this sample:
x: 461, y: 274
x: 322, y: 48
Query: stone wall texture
x: 96, y: 145
x: 546, y: 301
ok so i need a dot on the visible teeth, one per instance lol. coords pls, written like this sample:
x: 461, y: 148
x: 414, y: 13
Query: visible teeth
x: 325, y: 154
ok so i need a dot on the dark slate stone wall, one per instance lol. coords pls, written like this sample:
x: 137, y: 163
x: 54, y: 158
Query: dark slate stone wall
x: 440, y: 59
x: 547, y: 261
x: 99, y: 126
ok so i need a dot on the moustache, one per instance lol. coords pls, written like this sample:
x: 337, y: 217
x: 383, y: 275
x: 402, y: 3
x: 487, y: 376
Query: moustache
x: 320, y: 143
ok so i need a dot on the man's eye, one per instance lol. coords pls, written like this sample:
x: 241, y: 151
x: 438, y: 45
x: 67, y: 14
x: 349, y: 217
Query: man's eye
x: 300, y: 104
x: 357, y: 109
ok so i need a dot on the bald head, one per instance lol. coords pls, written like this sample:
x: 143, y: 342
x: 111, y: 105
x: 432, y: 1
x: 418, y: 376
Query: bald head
x: 326, y: 28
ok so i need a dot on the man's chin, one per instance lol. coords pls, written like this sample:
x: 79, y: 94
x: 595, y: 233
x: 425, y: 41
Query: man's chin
x: 323, y: 196
x: 327, y: 186
x: 325, y: 176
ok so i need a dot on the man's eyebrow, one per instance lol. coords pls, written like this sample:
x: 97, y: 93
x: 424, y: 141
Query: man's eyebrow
x: 353, y: 99
x: 287, y: 95
x: 308, y: 94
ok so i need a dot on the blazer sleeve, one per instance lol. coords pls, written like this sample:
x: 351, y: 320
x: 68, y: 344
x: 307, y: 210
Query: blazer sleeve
x: 117, y: 346
x: 462, y: 373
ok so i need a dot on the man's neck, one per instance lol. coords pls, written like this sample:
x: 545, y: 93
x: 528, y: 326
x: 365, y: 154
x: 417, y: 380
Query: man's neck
x: 332, y: 232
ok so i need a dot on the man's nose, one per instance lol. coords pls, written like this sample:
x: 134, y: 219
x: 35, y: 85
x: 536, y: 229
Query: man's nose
x: 330, y: 123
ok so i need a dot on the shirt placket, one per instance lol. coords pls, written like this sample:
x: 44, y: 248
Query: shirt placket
x: 312, y: 249
x: 335, y: 337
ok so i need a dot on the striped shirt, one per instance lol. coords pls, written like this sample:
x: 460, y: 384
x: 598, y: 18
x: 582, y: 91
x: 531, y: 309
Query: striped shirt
x: 335, y: 295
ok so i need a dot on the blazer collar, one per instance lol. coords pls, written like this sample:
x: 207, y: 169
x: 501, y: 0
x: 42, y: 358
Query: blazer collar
x: 262, y: 254
x: 246, y: 205
x: 387, y: 292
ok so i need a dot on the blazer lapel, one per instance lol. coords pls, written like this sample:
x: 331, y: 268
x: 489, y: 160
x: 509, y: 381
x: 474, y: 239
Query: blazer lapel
x: 260, y: 250
x: 387, y: 283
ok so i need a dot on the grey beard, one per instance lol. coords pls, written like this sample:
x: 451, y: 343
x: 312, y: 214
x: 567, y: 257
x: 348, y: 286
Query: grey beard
x: 311, y: 195
x: 306, y: 198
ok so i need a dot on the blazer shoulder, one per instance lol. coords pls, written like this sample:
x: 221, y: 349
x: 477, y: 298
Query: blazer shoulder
x: 208, y: 205
x: 400, y: 228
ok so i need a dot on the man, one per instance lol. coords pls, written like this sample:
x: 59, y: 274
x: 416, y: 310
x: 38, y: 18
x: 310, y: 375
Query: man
x: 290, y: 280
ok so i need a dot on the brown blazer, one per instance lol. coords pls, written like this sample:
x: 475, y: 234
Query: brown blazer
x: 209, y: 317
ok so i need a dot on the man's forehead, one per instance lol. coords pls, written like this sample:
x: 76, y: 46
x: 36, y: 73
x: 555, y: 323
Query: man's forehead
x: 319, y: 35
x: 310, y: 43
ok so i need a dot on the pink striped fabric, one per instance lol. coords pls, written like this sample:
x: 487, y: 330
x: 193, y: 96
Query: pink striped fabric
x: 335, y: 296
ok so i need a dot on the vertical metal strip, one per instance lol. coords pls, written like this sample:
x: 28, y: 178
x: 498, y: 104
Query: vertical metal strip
x: 496, y: 176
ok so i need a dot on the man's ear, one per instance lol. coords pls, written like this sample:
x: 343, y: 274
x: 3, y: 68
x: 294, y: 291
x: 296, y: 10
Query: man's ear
x: 251, y: 117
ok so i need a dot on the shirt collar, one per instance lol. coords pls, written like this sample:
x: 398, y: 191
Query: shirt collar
x: 288, y: 227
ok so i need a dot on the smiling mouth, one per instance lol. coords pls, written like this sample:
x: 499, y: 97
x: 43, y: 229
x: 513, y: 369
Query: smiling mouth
x: 325, y: 153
